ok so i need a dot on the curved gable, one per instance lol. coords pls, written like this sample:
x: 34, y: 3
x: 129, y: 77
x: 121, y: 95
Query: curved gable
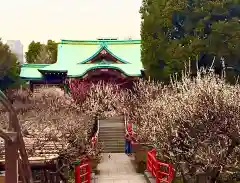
x: 104, y: 53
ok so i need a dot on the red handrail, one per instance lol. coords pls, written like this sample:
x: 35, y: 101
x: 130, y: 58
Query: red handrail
x: 94, y: 141
x: 83, y: 173
x: 163, y: 172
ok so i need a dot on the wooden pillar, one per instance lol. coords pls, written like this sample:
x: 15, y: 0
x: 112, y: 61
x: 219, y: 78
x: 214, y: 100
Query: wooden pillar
x: 31, y: 86
x: 65, y: 172
x: 11, y: 162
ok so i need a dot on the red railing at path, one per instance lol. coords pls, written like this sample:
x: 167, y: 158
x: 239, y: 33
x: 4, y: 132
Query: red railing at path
x: 163, y: 172
x: 83, y: 172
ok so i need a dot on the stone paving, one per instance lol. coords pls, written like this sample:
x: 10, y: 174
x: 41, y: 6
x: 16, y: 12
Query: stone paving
x: 118, y: 169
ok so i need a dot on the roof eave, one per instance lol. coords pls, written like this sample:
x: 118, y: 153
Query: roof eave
x: 31, y: 79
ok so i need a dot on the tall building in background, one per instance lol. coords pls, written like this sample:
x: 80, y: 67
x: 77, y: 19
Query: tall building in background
x: 17, y: 48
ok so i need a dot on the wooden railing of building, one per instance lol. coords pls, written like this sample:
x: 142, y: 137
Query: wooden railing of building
x: 16, y: 158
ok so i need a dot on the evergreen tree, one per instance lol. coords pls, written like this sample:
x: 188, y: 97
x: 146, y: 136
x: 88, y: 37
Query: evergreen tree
x: 39, y: 53
x: 176, y: 32
x: 9, y: 68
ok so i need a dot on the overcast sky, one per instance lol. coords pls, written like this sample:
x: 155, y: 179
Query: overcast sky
x: 39, y: 20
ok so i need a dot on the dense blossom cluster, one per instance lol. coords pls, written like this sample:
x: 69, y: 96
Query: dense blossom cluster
x: 52, y: 123
x: 194, y: 124
x: 102, y: 99
x: 78, y: 89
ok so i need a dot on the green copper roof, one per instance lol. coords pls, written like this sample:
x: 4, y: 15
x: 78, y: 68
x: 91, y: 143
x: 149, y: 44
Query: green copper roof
x: 30, y: 71
x: 128, y: 52
x: 72, y: 56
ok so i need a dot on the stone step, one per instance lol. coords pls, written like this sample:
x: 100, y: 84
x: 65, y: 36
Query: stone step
x: 106, y: 140
x: 107, y: 146
x: 113, y: 143
x: 120, y: 149
x: 111, y: 132
x: 114, y: 137
x: 120, y: 144
x: 109, y: 142
x: 111, y: 146
x: 109, y: 126
x: 111, y: 121
x: 114, y: 148
x: 117, y: 117
x: 117, y: 150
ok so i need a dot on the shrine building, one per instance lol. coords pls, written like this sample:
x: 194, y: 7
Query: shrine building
x: 89, y: 60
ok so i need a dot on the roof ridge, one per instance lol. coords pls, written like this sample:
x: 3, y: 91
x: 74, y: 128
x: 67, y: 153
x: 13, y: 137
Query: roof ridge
x: 34, y: 65
x: 64, y: 41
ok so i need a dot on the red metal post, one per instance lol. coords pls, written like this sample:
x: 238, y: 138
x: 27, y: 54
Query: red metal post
x: 147, y: 161
x: 152, y: 165
x: 158, y: 175
x: 171, y: 173
x: 89, y: 173
x: 77, y: 174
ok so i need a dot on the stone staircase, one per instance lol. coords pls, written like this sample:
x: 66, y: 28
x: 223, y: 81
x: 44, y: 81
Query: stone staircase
x: 111, y: 134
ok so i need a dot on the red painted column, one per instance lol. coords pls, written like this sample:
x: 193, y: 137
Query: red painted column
x: 77, y: 174
x: 157, y: 169
x: 89, y: 173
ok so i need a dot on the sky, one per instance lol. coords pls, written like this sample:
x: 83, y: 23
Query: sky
x: 40, y: 20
